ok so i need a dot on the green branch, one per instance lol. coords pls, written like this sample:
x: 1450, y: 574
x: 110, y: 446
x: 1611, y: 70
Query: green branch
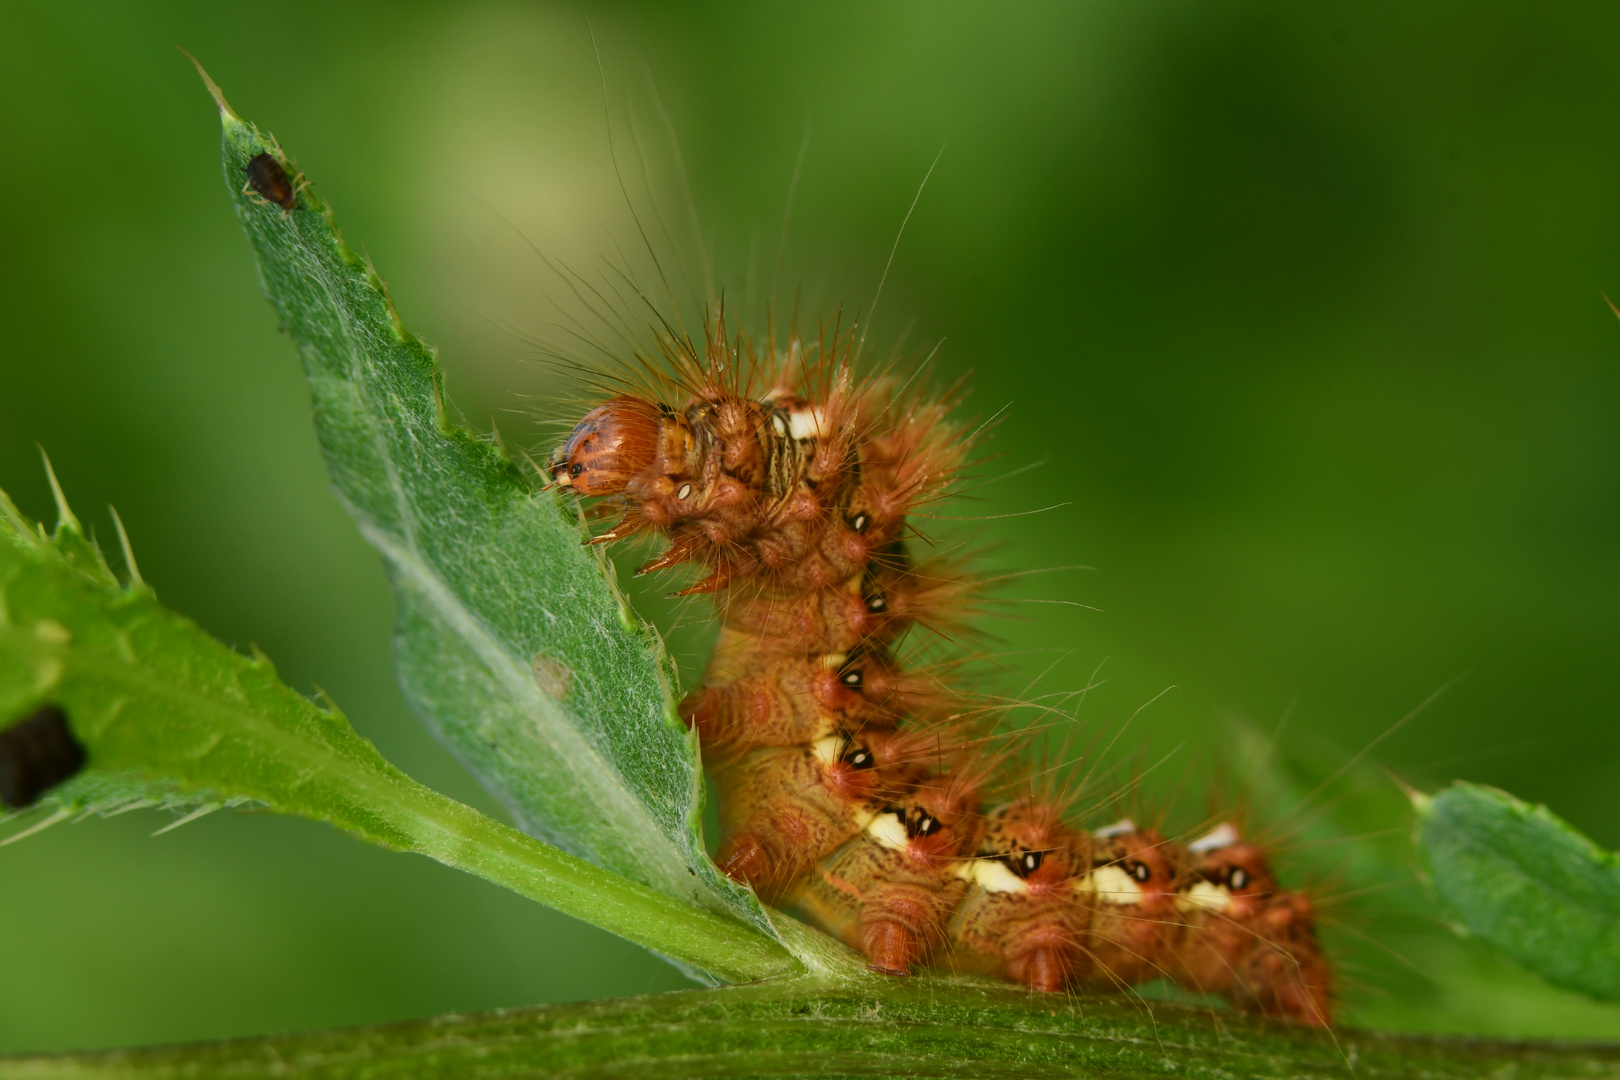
x: 804, y: 1028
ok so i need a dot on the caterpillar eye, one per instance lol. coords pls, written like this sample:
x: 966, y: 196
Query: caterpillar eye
x: 859, y: 522
x: 574, y: 470
x: 860, y: 758
x: 853, y: 678
x: 1239, y: 878
x: 1139, y: 871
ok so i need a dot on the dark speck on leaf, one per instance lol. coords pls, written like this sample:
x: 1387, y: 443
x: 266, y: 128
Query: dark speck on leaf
x: 37, y: 753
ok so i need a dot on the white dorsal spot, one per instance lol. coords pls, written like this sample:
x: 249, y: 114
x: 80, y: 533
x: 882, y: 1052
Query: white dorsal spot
x: 1204, y: 896
x: 805, y: 423
x: 1118, y: 828
x: 1223, y: 835
x: 1114, y: 886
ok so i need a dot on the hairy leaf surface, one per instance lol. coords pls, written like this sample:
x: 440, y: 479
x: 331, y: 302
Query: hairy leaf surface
x: 512, y: 643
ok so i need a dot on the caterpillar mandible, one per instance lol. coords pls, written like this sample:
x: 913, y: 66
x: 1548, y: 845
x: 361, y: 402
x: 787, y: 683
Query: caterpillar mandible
x: 855, y: 787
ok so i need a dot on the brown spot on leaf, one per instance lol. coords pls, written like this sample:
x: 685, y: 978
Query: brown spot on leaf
x: 551, y: 676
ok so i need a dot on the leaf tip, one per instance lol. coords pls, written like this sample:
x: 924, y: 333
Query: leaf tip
x: 1421, y: 801
x: 225, y: 110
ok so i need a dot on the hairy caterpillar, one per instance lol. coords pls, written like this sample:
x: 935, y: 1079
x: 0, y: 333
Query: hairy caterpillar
x: 856, y: 787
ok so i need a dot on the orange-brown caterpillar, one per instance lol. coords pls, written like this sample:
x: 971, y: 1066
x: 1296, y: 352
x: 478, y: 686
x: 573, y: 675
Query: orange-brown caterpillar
x: 851, y: 781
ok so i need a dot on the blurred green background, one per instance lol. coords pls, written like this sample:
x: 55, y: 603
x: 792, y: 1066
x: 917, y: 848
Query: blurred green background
x: 1300, y: 307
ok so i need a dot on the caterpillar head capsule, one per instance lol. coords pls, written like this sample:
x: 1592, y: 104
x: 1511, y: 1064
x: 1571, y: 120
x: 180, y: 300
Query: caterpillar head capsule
x: 611, y: 446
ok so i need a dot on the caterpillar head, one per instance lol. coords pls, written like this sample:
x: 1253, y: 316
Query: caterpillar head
x: 612, y: 445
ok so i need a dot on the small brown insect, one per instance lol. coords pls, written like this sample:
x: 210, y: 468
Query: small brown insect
x: 268, y: 180
x: 37, y: 753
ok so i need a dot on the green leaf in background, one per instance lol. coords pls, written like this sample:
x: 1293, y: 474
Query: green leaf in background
x: 1523, y: 880
x: 171, y: 717
x: 512, y: 642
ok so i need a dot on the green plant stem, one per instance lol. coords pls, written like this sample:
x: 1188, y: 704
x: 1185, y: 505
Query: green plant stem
x: 458, y: 836
x: 803, y: 1027
x: 165, y: 711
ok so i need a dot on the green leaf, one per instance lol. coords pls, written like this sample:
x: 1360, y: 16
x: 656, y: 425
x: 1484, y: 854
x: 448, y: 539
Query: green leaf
x: 512, y: 642
x: 1523, y: 880
x: 171, y: 717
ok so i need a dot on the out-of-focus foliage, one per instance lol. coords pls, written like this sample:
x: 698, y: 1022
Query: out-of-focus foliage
x: 1523, y: 880
x: 1299, y: 305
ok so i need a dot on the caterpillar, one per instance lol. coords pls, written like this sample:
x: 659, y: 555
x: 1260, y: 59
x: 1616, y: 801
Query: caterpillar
x: 857, y: 787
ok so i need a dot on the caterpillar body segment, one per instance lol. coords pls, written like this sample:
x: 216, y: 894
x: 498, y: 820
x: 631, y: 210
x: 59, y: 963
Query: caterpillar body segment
x: 1247, y: 938
x: 784, y: 808
x: 1135, y: 887
x: 877, y: 607
x: 1026, y: 912
x: 890, y: 890
x: 752, y: 699
x: 849, y: 777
